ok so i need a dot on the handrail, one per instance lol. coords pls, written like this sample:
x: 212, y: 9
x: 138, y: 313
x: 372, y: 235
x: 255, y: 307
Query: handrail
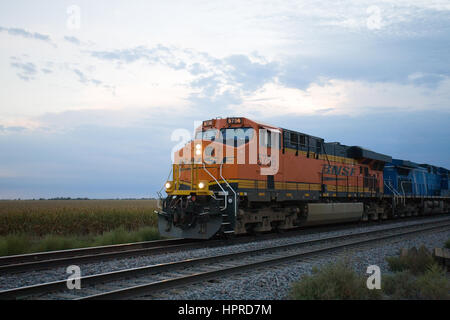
x: 392, y: 189
x: 224, y: 192
x: 395, y: 192
x: 235, y: 195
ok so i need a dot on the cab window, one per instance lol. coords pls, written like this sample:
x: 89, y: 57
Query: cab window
x: 237, y: 136
x: 209, y: 135
x: 265, y: 138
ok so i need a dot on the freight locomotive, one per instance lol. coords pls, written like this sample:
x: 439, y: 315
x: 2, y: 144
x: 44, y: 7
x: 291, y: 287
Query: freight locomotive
x: 240, y: 176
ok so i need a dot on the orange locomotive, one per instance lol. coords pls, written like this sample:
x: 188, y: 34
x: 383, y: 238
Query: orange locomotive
x: 239, y: 176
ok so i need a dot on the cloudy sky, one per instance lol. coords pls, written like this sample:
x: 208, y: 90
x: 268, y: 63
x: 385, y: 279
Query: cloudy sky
x: 90, y: 91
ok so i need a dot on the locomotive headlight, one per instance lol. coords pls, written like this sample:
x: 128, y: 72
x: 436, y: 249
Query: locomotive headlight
x: 168, y: 185
x: 202, y: 185
x: 198, y: 150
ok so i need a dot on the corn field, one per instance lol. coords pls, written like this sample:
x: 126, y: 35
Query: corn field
x: 74, y: 217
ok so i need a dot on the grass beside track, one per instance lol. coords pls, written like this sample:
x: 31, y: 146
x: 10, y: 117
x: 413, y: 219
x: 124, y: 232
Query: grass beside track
x: 28, y: 226
x: 415, y: 276
x: 334, y: 281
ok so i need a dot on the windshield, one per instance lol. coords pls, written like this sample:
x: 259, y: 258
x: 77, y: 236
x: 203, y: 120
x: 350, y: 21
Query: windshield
x: 206, y: 135
x: 240, y: 135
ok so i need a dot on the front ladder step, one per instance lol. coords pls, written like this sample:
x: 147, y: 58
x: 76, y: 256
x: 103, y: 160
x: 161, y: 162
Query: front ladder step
x: 226, y: 224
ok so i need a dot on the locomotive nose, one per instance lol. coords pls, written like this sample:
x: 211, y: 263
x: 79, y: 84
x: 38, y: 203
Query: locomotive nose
x: 189, y: 220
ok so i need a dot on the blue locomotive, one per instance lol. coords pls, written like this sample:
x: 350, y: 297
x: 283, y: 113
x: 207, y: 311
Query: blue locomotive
x: 407, y: 178
x: 423, y: 185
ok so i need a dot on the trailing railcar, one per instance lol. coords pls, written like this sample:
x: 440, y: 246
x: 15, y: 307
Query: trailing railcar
x: 418, y: 188
x: 240, y: 176
x: 407, y: 178
x: 445, y: 187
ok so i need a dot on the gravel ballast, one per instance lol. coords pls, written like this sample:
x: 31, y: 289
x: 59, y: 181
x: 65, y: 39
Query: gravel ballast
x: 274, y: 283
x: 270, y: 283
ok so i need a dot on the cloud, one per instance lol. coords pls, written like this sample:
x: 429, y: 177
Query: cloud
x: 430, y: 80
x: 72, y: 40
x: 208, y: 76
x: 27, y: 70
x: 81, y: 76
x: 86, y: 80
x: 213, y: 80
x: 197, y: 69
x: 344, y: 97
x: 26, y: 34
x: 15, y: 129
x: 370, y: 59
x: 12, y: 129
x: 174, y: 58
x: 128, y: 55
x: 250, y: 75
x: 382, y: 74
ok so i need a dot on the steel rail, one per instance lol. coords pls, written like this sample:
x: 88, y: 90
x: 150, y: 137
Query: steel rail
x: 96, y: 255
x: 40, y: 256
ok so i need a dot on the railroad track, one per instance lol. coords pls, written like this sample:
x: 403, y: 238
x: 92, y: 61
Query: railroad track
x: 44, y: 260
x: 152, y: 279
x: 53, y: 259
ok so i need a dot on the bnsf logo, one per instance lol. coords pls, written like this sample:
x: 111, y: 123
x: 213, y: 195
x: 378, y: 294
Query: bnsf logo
x: 338, y: 170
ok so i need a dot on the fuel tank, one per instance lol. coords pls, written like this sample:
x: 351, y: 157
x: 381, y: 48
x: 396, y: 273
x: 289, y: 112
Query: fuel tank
x: 324, y: 213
